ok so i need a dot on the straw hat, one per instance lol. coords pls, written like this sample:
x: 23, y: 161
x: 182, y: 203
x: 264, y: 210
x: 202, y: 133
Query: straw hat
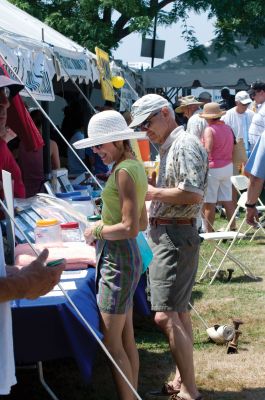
x: 212, y: 111
x: 106, y: 127
x: 187, y: 101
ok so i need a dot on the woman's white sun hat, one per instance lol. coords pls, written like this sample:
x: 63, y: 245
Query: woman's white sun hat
x: 106, y: 127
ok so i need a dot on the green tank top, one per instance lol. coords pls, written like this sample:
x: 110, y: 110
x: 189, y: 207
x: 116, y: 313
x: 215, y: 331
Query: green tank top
x: 111, y: 210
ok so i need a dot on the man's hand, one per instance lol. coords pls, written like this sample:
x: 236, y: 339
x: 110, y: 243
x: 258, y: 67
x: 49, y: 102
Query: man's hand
x: 152, y: 180
x: 252, y: 216
x: 151, y: 190
x: 38, y: 278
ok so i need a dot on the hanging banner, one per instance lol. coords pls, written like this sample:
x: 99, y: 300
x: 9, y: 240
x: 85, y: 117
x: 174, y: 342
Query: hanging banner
x: 127, y: 98
x: 72, y: 64
x: 32, y: 68
x: 105, y: 75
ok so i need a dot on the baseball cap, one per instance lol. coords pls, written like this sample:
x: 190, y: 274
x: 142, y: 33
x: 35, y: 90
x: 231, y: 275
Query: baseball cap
x: 145, y: 106
x: 243, y: 97
x: 14, y: 86
x: 205, y: 96
x: 258, y: 85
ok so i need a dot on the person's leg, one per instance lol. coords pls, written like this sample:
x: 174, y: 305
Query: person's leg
x: 112, y: 329
x: 181, y: 346
x: 225, y: 193
x: 209, y: 214
x: 230, y: 209
x: 211, y: 198
x: 130, y: 346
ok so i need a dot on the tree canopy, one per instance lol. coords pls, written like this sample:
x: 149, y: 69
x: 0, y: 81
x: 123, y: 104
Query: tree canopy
x: 104, y: 23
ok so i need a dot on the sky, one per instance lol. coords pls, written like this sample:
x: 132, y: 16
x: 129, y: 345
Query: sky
x: 130, y: 48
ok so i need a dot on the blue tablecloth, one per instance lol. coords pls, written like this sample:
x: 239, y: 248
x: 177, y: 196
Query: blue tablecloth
x: 49, y: 328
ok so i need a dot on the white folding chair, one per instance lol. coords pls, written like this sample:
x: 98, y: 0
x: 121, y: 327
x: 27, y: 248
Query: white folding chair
x: 240, y: 183
x: 261, y: 208
x: 217, y: 238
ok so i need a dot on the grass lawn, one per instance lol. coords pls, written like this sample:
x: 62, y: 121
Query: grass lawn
x: 220, y: 376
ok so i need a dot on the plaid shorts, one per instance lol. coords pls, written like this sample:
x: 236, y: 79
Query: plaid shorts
x: 173, y: 269
x: 119, y: 271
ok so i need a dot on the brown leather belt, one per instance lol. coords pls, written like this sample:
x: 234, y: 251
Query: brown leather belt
x: 172, y: 221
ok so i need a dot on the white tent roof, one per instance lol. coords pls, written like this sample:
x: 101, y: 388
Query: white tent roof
x: 226, y: 70
x: 21, y: 43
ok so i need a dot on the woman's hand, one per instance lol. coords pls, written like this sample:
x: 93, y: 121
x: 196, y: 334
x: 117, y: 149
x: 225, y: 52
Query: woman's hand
x: 88, y: 235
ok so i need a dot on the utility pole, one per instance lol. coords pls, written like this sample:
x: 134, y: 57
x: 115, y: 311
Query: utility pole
x: 154, y: 35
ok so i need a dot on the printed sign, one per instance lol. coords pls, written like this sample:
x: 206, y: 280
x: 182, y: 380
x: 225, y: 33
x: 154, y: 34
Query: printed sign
x: 33, y: 70
x: 105, y: 75
x: 70, y: 64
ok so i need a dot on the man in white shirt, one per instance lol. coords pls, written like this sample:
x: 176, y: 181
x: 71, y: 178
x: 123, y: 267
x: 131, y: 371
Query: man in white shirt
x: 257, y: 126
x: 188, y: 106
x: 196, y: 125
x: 239, y: 118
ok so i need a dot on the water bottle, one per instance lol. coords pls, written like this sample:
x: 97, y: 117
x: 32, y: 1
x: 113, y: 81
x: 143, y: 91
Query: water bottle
x: 48, y: 231
x: 71, y: 232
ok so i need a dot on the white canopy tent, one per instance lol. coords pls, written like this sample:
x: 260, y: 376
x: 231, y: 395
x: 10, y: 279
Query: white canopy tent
x: 226, y: 70
x: 38, y: 52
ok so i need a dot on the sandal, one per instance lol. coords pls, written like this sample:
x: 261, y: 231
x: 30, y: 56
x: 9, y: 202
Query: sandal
x: 177, y: 397
x: 166, y: 390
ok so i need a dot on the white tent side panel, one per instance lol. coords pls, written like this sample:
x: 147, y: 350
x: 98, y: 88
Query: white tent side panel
x: 226, y: 70
x: 23, y: 34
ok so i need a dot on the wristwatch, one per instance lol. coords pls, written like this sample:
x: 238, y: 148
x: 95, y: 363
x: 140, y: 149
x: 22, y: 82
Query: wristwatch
x: 250, y: 205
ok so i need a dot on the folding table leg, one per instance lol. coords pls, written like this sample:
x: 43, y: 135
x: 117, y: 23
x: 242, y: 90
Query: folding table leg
x: 44, y: 384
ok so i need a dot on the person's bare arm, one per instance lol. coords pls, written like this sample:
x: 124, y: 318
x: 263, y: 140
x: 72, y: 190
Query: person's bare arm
x: 208, y: 139
x: 143, y: 219
x: 173, y: 195
x: 32, y: 281
x: 55, y: 157
x: 254, y: 190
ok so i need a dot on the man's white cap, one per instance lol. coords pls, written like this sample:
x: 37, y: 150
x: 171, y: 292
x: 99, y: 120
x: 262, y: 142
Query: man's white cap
x: 243, y: 97
x: 146, y: 106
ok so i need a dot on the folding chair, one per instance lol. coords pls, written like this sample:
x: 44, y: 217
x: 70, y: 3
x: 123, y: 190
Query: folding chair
x: 240, y: 183
x: 217, y: 238
x: 261, y: 208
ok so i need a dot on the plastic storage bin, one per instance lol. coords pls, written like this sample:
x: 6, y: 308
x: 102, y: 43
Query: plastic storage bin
x: 67, y: 196
x: 48, y: 231
x: 84, y: 205
x: 70, y: 232
x: 85, y: 190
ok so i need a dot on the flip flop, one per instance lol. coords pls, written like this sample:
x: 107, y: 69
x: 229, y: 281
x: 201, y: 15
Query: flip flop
x: 177, y: 397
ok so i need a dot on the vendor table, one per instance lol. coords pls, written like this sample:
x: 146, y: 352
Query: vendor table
x: 48, y: 328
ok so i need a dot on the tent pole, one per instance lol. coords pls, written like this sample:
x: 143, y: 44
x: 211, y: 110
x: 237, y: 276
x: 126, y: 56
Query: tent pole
x: 154, y: 37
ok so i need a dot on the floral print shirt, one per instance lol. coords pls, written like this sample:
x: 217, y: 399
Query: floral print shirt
x: 183, y: 165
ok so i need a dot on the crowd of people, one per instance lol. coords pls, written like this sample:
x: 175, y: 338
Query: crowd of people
x: 196, y: 163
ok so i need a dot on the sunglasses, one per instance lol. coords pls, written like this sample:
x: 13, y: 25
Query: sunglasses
x: 5, y: 91
x: 98, y: 147
x: 146, y: 124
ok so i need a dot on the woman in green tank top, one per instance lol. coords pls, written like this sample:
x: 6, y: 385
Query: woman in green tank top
x: 119, y: 262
